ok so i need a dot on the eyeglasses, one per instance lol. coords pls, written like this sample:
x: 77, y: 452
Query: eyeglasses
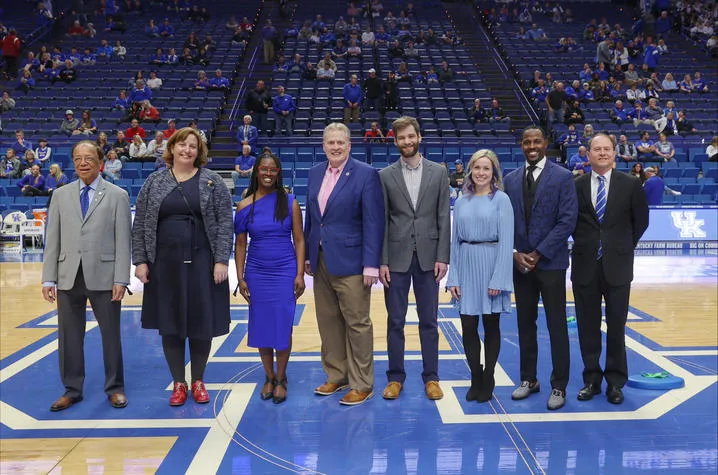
x: 270, y: 170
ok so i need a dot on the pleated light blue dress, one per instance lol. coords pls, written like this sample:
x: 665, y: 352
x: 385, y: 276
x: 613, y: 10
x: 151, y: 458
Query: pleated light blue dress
x: 482, y: 253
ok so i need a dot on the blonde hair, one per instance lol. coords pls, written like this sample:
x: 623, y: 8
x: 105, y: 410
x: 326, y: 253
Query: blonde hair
x: 58, y: 173
x: 497, y: 182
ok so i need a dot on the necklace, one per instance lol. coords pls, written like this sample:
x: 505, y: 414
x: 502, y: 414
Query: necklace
x: 184, y: 176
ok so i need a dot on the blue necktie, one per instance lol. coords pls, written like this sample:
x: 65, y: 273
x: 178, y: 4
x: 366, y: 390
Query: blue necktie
x: 85, y: 200
x: 601, y: 207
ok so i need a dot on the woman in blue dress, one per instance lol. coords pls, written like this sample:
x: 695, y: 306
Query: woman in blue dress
x: 272, y: 279
x: 480, y: 270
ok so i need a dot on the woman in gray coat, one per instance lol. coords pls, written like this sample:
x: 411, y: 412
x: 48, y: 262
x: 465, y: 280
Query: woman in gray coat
x: 181, y: 243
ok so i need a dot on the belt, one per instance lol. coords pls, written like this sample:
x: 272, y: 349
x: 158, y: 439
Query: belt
x: 478, y: 242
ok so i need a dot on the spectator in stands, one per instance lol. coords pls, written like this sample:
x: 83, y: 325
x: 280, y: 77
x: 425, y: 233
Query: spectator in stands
x: 26, y: 81
x: 391, y: 92
x: 243, y: 164
x: 663, y: 23
x: 258, y: 102
x: 281, y: 65
x: 651, y: 91
x: 403, y: 74
x: 219, y: 82
x: 539, y: 93
x: 283, y: 106
x: 88, y: 58
x: 171, y: 128
x: 585, y: 95
x: 653, y: 111
x: 354, y: 49
x: 604, y: 53
x: 579, y: 163
x: 654, y: 187
x: 105, y: 50
x: 668, y: 124
x: 664, y: 150
x: 172, y: 58
x: 684, y: 126
x: 477, y: 114
x: 373, y: 93
x: 310, y: 73
x: 138, y: 149
x: 140, y: 93
x: 572, y: 91
x: 650, y: 55
x: 555, y: 102
x: 33, y: 183
x: 103, y: 143
x: 28, y: 162
x: 149, y: 113
x: 87, y: 125
x: 374, y: 134
x: 353, y: 97
x: 445, y: 73
x: 588, y: 133
x: 646, y: 149
x: 367, y: 38
x: 637, y: 171
x: 269, y: 36
x: 686, y: 86
x: 634, y: 94
x: 536, y: 34
x: 69, y: 124
x: 166, y: 30
x: 574, y: 114
x: 327, y: 63
x: 154, y: 82
x: 10, y: 165
x: 158, y: 58
x: 151, y: 29
x: 297, y: 65
x: 624, y: 150
x: 496, y: 112
x: 662, y: 47
x: 119, y: 50
x: 43, y: 152
x: 456, y: 179
x: 54, y: 179
x: 631, y: 76
x: 76, y: 29
x: 135, y: 129
x: 188, y: 57
x: 113, y: 167
x: 20, y: 146
x: 699, y: 84
x: 669, y: 84
x: 712, y: 45
x: 712, y: 149
x: 619, y: 114
x: 202, y: 82
x: 567, y: 139
x: 156, y: 147
x: 121, y: 146
x: 68, y: 73
x: 247, y: 133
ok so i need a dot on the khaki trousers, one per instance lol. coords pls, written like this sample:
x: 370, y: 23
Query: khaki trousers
x: 342, y: 305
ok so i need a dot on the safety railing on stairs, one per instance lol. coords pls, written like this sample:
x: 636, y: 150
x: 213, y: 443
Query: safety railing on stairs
x: 243, y: 88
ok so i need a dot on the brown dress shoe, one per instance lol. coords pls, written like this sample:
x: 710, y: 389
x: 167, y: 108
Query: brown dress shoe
x: 356, y: 397
x: 327, y: 389
x: 118, y: 400
x: 433, y: 390
x: 64, y: 402
x: 392, y: 390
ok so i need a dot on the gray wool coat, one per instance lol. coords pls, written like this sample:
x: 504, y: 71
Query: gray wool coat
x: 216, y: 205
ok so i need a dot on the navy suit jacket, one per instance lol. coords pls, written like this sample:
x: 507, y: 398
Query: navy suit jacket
x: 553, y: 216
x: 251, y: 136
x: 351, y: 231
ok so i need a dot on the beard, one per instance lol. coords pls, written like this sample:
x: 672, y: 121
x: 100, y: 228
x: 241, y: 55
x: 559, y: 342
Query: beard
x: 408, y: 152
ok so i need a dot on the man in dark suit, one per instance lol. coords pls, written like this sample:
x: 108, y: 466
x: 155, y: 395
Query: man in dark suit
x: 417, y: 238
x: 87, y: 256
x: 247, y: 133
x: 543, y: 197
x: 612, y: 217
x: 344, y: 229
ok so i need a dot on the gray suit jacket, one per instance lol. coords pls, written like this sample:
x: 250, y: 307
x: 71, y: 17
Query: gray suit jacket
x: 428, y: 226
x: 101, y: 241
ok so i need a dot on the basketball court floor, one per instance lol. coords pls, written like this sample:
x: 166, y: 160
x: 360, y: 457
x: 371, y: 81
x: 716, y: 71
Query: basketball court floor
x: 673, y: 327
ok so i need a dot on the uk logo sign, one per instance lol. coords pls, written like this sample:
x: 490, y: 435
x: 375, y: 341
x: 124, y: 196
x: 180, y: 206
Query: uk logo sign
x: 689, y: 226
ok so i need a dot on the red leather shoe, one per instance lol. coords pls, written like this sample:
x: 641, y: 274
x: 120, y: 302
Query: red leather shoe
x: 179, y: 394
x: 199, y: 393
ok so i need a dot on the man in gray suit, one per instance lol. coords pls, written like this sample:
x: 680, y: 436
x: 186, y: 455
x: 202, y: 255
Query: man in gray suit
x: 87, y: 256
x: 416, y: 249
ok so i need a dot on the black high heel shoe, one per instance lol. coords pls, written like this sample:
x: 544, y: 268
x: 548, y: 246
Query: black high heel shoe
x: 278, y: 399
x: 268, y: 394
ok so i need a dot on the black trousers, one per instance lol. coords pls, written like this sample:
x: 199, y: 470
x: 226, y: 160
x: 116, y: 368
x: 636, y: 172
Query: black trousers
x: 588, y: 317
x: 71, y: 315
x: 550, y: 286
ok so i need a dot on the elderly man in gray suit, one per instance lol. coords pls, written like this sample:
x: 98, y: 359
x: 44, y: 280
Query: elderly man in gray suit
x: 87, y: 256
x: 416, y: 249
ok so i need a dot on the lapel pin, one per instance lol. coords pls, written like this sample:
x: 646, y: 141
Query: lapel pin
x: 348, y: 173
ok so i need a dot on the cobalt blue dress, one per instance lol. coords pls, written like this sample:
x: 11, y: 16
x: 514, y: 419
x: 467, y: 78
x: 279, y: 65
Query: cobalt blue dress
x: 270, y: 270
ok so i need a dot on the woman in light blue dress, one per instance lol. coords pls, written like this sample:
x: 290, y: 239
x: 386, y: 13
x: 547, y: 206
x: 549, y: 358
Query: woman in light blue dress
x: 480, y: 271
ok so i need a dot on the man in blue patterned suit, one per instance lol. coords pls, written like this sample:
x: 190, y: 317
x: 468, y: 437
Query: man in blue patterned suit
x: 543, y: 196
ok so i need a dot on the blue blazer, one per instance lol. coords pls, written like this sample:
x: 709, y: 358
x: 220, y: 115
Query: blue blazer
x: 252, y: 135
x: 553, y: 216
x: 351, y: 231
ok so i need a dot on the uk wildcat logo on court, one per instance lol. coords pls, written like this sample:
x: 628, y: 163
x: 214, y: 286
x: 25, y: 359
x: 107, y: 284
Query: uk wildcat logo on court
x: 688, y: 224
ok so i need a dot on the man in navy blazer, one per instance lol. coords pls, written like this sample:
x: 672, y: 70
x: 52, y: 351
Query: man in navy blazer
x: 247, y: 134
x: 344, y: 231
x: 543, y: 196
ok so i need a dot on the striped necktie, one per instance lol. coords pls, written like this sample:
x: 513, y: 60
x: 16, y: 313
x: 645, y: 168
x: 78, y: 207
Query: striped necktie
x: 601, y: 207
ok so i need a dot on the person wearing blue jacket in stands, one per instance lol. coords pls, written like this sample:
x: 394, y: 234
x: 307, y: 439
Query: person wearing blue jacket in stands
x: 353, y: 96
x: 218, y: 81
x: 654, y: 187
x: 140, y: 93
x: 651, y: 55
x: 283, y: 106
x: 32, y: 184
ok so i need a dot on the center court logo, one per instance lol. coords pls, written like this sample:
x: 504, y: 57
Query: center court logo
x: 688, y: 224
